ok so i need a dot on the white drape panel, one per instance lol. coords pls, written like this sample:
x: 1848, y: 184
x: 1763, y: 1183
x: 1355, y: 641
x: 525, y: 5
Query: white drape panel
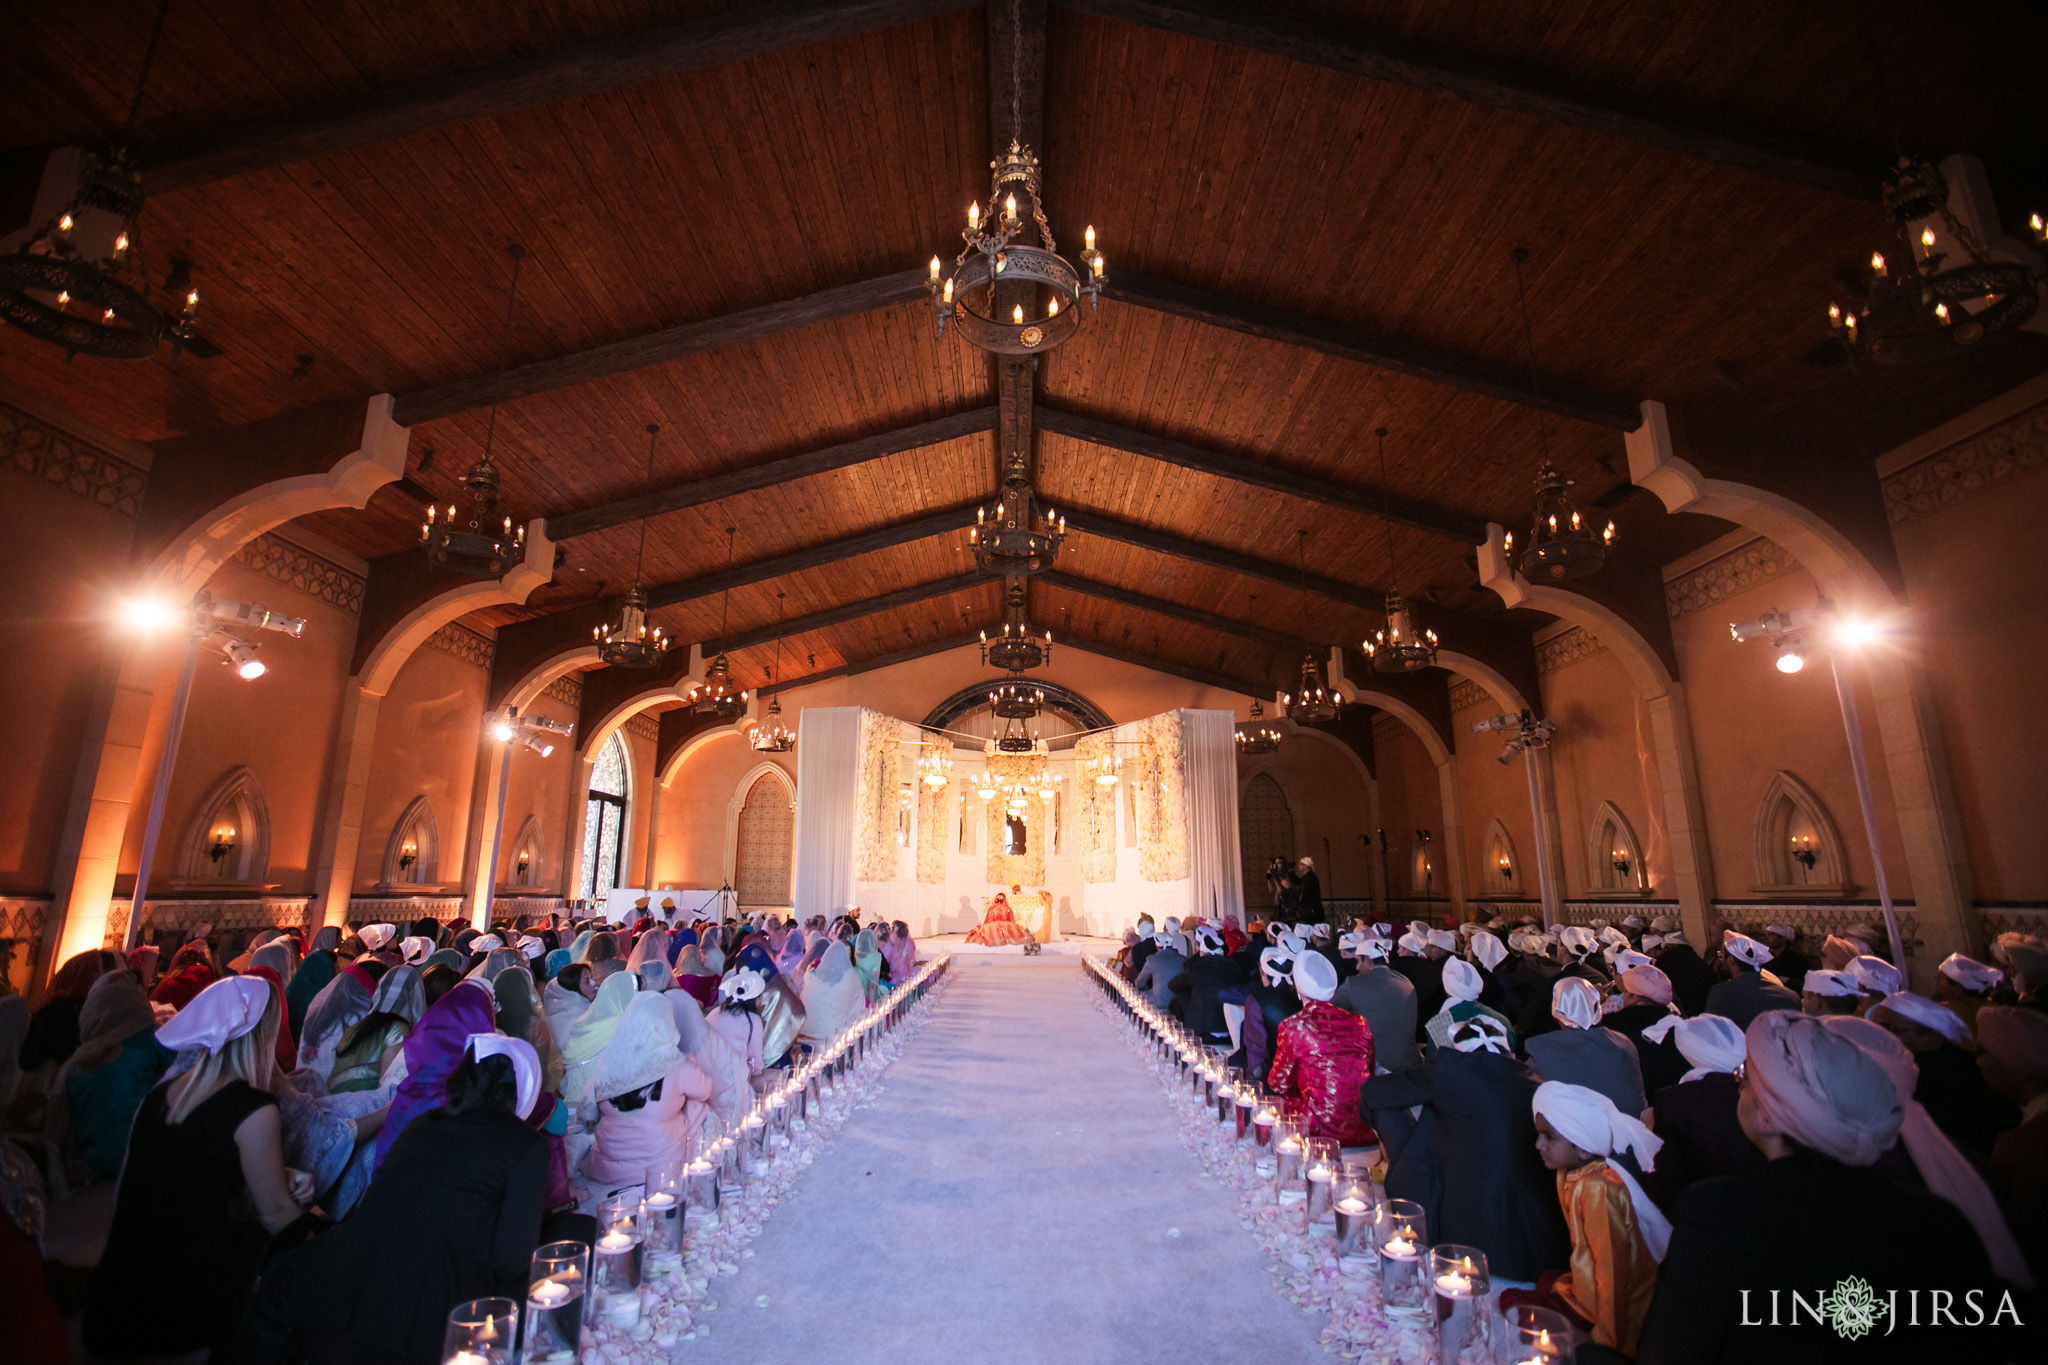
x: 827, y: 777
x: 1215, y: 865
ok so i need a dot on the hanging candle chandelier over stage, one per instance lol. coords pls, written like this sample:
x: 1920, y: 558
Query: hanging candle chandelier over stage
x: 769, y: 735
x: 1016, y: 700
x: 1003, y: 294
x: 1016, y: 775
x: 484, y: 542
x: 630, y: 642
x: 718, y: 695
x: 1016, y: 648
x: 1937, y: 293
x: 1257, y: 735
x: 1013, y: 535
x: 1312, y: 701
x: 1398, y: 646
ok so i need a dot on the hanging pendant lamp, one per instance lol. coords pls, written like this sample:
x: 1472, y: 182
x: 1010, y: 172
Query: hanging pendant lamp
x: 1563, y: 545
x: 1398, y: 646
x: 630, y: 642
x: 718, y: 695
x: 769, y: 735
x: 485, y: 542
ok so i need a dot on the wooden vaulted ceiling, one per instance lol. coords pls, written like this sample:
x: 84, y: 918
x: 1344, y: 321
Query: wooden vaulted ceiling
x: 1249, y: 161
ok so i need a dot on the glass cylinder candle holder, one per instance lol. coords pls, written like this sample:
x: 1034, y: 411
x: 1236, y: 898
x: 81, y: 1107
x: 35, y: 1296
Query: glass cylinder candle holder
x: 700, y: 1186
x: 754, y: 1131
x: 1461, y: 1292
x: 556, y: 1288
x: 1319, y: 1171
x: 1353, y: 1208
x: 1287, y: 1140
x: 1263, y: 1119
x: 481, y: 1332
x: 1534, y: 1336
x: 1402, y: 1235
x: 661, y: 1218
x: 1243, y: 1103
x: 616, y: 1262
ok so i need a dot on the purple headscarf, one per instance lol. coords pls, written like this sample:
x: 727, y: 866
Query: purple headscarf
x: 432, y: 1050
x: 791, y: 952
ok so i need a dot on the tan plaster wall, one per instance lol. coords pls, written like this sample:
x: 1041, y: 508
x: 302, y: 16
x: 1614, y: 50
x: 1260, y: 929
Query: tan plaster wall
x: 1490, y: 790
x: 1326, y: 791
x: 428, y: 730
x: 1604, y: 752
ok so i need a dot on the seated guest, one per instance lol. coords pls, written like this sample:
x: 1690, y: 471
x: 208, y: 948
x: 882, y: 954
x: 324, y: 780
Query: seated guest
x: 901, y: 950
x: 592, y: 1030
x: 780, y: 1003
x: 1618, y: 1234
x: 832, y: 994
x: 738, y: 1016
x: 1323, y: 1054
x: 1691, y: 978
x: 564, y: 999
x: 2015, y: 1064
x: 1472, y: 1162
x: 1582, y: 1052
x: 1201, y: 978
x: 308, y: 978
x: 1422, y: 963
x: 1822, y: 1113
x: 1646, y: 999
x: 1787, y: 963
x: 2027, y: 958
x: 1462, y: 986
x: 340, y: 1005
x: 732, y: 1089
x: 1751, y: 990
x: 1265, y: 1006
x: 520, y: 1015
x: 1155, y: 978
x: 1875, y: 979
x: 694, y: 974
x: 371, y: 1054
x: 454, y: 1214
x: 53, y: 1028
x: 1966, y: 985
x: 1949, y: 1082
x: 650, y: 1096
x: 191, y: 971
x: 869, y: 966
x: 1385, y: 999
x: 1696, y: 1117
x: 1827, y: 992
x: 117, y: 1064
x: 1146, y: 945
x: 1582, y: 954
x: 432, y: 1052
x: 181, y: 1254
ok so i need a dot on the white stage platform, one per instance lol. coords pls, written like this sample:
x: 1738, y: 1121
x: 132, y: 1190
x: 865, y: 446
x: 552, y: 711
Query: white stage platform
x: 1072, y: 945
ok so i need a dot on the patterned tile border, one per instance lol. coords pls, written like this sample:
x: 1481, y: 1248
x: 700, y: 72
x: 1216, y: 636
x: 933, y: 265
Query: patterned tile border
x: 2013, y: 448
x: 1386, y: 729
x: 1743, y: 568
x: 465, y: 644
x: 643, y: 725
x: 567, y: 689
x: 1465, y: 692
x: 283, y: 562
x: 1567, y: 648
x: 60, y: 459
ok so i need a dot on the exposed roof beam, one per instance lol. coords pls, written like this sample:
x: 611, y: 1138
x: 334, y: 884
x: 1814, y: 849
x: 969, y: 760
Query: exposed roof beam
x: 1016, y: 74
x: 1403, y: 61
x: 868, y: 665
x: 1179, y: 547
x: 1226, y: 682
x: 517, y: 83
x: 831, y: 552
x: 1385, y: 353
x: 1194, y: 616
x: 1202, y: 459
x: 851, y: 611
x: 657, y: 348
x: 823, y: 460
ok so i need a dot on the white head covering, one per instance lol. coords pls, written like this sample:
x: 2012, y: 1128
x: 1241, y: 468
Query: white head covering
x: 1613, y: 937
x: 1973, y: 976
x: 1172, y: 924
x: 1784, y: 931
x: 1293, y: 944
x: 1444, y: 939
x: 1745, y: 949
x: 1209, y: 941
x: 1577, y: 939
x: 1838, y: 985
x: 525, y: 1064
x: 487, y: 943
x: 1575, y: 1002
x: 1816, y: 1087
x: 1350, y: 944
x: 217, y: 1015
x: 1631, y: 921
x: 1528, y: 941
x: 1588, y: 1120
x: 1875, y: 976
x: 1413, y: 944
x: 1168, y: 941
x: 1377, y: 948
x: 1145, y: 926
x: 375, y: 936
x: 1481, y: 1033
x: 1276, y: 964
x: 744, y: 984
x: 1709, y: 1041
x: 1863, y: 932
x: 1629, y: 957
x: 1314, y: 977
x: 415, y: 950
x: 1462, y: 980
x: 1490, y: 951
x: 530, y: 946
x: 1927, y: 1014
x: 1385, y: 931
x: 1647, y: 981
x: 1653, y: 941
x: 641, y: 1051
x: 1663, y: 924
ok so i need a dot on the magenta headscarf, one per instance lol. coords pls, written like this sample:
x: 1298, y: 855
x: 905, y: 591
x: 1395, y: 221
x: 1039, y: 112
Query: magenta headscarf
x: 432, y: 1050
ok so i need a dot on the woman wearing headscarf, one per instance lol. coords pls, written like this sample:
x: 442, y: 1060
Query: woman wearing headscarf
x: 590, y: 1034
x: 650, y: 1096
x: 832, y: 995
x: 732, y: 1092
x: 432, y: 1051
x: 1323, y: 1054
x: 781, y: 1004
x: 454, y: 1214
x: 795, y: 947
x: 579, y: 947
x: 1584, y: 1052
x: 287, y: 1050
x: 116, y: 1065
x: 901, y: 950
x: 1823, y: 1113
x: 603, y: 947
x: 551, y: 965
x: 649, y: 961
x: 565, y: 999
x: 867, y: 960
x: 190, y: 972
x: 341, y: 1004
x: 494, y: 963
x: 371, y: 1054
x: 53, y: 1028
x: 738, y: 1017
x: 178, y: 1263
x: 1463, y: 985
x: 142, y: 960
x: 280, y: 955
x: 321, y: 964
x: 694, y: 975
x: 520, y: 1016
x: 713, y: 942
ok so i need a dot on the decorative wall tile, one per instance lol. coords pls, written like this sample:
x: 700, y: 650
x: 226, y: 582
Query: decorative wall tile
x: 463, y: 643
x: 41, y: 451
x: 644, y: 725
x: 1736, y: 572
x: 283, y: 562
x: 1570, y: 647
x: 568, y: 690
x: 2012, y: 448
x: 1465, y: 692
x: 1386, y: 729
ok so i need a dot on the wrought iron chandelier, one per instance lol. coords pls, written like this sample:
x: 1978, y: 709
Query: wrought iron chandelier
x: 1914, y: 311
x: 1562, y: 544
x: 1016, y: 649
x: 1257, y: 735
x: 1398, y: 646
x: 1312, y: 701
x: 769, y: 735
x: 1013, y: 535
x: 68, y: 283
x: 718, y: 695
x: 1016, y: 700
x: 631, y: 643
x: 488, y: 541
x: 996, y: 268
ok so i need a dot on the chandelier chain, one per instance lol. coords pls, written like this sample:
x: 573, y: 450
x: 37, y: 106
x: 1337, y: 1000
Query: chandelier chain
x: 725, y: 608
x: 156, y: 34
x: 1379, y: 436
x: 518, y: 254
x: 640, y: 555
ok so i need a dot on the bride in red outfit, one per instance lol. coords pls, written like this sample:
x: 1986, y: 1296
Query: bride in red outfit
x: 999, y: 927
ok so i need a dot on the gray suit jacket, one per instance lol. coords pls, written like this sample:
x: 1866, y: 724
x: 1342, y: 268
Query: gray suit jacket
x: 1156, y: 980
x: 1746, y: 995
x: 1385, y: 999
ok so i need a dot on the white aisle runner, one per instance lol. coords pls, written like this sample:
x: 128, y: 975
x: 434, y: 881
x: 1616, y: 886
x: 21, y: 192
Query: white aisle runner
x: 1012, y: 1196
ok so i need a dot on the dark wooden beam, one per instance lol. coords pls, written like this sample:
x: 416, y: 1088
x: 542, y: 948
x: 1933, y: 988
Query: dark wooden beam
x: 830, y: 552
x: 657, y: 348
x: 1403, y: 61
x: 868, y: 665
x: 851, y: 611
x: 768, y: 473
x: 1227, y: 682
x: 1180, y: 547
x: 582, y: 69
x: 1384, y: 353
x: 1202, y: 459
x: 1194, y: 616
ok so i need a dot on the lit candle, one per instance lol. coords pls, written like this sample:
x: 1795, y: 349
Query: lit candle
x: 1401, y: 1246
x: 549, y: 1294
x: 614, y: 1242
x: 1453, y: 1283
x: 661, y: 1202
x: 1351, y: 1206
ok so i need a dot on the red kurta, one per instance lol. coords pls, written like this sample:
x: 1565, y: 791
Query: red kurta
x: 1324, y: 1054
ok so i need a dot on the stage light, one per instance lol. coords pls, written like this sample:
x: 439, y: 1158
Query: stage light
x: 148, y: 615
x: 502, y: 730
x: 1790, y: 660
x: 242, y: 655
x: 1856, y: 633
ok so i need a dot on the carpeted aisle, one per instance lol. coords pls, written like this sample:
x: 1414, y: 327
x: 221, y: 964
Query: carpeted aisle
x: 1012, y: 1196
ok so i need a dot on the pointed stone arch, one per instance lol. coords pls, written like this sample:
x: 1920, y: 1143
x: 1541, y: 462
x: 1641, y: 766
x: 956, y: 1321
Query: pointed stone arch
x: 1447, y: 857
x: 1265, y: 829
x: 1500, y: 869
x: 417, y: 834
x: 234, y: 803
x: 523, y: 867
x: 1611, y: 840
x: 760, y: 838
x: 1792, y: 810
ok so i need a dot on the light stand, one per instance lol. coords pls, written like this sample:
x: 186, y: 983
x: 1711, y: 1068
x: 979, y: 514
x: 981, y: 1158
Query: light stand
x: 533, y: 732
x: 1526, y: 736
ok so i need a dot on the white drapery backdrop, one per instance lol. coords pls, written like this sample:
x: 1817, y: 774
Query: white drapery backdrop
x: 827, y: 779
x: 1215, y: 862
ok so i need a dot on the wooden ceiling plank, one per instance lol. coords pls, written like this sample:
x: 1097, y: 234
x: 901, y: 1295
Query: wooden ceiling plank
x: 1158, y: 606
x: 851, y: 611
x: 1179, y: 547
x: 831, y: 551
x: 868, y: 665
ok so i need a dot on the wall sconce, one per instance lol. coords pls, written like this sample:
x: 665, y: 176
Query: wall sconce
x: 1804, y: 852
x: 1507, y: 868
x: 408, y: 855
x: 223, y: 844
x: 1621, y: 863
x: 525, y: 861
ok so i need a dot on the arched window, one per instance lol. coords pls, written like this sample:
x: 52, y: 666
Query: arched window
x: 1615, y: 856
x: 767, y: 843
x: 1501, y: 872
x: 1265, y: 831
x: 605, y: 822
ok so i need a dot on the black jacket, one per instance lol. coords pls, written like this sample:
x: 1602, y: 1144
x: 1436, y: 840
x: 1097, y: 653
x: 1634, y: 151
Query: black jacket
x: 1427, y: 976
x: 1662, y: 1063
x: 1691, y: 978
x: 1200, y: 978
x: 1702, y: 1137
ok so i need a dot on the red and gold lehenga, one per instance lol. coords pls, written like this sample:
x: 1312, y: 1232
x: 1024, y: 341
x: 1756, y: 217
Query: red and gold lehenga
x: 999, y: 927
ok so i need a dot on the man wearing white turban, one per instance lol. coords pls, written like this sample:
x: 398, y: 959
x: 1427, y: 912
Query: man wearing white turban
x: 1950, y: 1084
x: 1826, y: 992
x: 1646, y: 1001
x: 1323, y: 1054
x: 1155, y: 978
x: 2015, y: 1064
x: 1875, y: 979
x: 1751, y: 990
x: 1696, y: 1116
x: 1266, y: 1004
x: 1462, y: 986
x: 1385, y: 999
x: 1583, y: 1052
x: 1965, y: 985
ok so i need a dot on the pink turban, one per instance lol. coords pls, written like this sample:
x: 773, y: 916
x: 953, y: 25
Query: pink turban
x: 1818, y: 1089
x: 1647, y: 982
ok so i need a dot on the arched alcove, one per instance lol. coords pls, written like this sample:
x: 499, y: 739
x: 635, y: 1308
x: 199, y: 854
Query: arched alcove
x: 1614, y: 856
x: 227, y: 840
x: 761, y: 838
x: 1500, y: 869
x: 1425, y: 875
x: 1265, y: 831
x: 523, y: 868
x: 412, y: 855
x: 1798, y: 849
